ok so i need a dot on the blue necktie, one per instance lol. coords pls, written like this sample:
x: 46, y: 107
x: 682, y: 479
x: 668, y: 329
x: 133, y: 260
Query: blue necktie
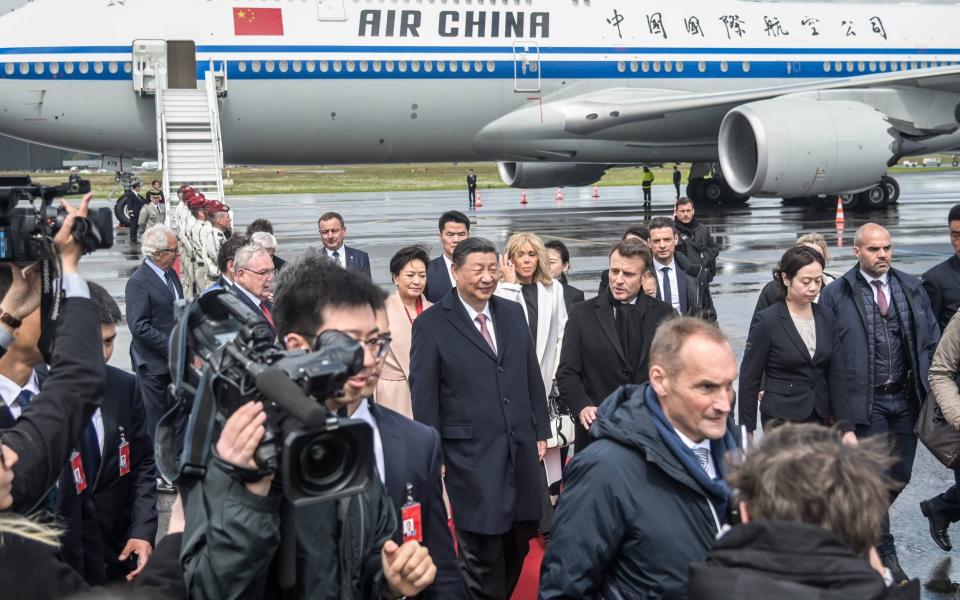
x: 23, y: 399
x: 667, y: 294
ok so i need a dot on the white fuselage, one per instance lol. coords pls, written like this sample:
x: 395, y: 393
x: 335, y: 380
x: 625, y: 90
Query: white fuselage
x: 418, y: 81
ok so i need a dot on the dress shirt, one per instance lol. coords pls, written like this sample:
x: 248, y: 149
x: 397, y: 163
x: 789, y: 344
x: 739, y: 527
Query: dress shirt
x: 473, y: 319
x: 884, y: 283
x: 162, y: 275
x: 10, y: 390
x: 98, y: 425
x: 253, y: 298
x: 363, y: 414
x: 711, y: 468
x: 449, y: 263
x: 342, y: 255
x: 672, y: 276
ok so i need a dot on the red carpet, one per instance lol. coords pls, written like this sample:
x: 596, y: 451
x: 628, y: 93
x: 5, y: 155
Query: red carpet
x: 530, y: 577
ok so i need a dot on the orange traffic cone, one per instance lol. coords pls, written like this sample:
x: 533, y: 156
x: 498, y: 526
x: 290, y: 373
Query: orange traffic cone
x: 523, y: 197
x: 596, y: 191
x: 559, y: 194
x: 479, y: 199
x: 840, y: 220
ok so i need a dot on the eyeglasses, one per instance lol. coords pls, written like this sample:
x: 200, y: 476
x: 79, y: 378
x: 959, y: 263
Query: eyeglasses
x: 170, y: 250
x: 263, y: 273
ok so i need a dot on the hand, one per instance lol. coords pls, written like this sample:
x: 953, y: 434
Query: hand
x: 70, y: 249
x: 850, y: 438
x: 873, y: 558
x: 408, y: 568
x: 178, y: 521
x: 508, y: 274
x: 23, y: 297
x: 588, y: 416
x: 541, y: 449
x: 241, y: 436
x: 6, y: 477
x: 142, y: 549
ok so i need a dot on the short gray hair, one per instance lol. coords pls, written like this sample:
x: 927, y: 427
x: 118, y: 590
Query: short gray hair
x: 155, y: 239
x: 246, y: 255
x: 264, y: 240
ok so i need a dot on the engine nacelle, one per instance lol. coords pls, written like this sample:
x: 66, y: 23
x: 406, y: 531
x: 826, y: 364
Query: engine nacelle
x: 530, y: 175
x: 793, y: 147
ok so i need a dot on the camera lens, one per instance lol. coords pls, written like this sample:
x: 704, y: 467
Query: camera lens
x: 326, y: 462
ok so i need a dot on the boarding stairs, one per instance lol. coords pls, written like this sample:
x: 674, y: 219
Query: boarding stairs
x: 189, y: 146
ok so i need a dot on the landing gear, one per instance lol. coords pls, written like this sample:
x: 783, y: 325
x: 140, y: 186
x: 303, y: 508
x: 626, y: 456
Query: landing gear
x: 885, y: 193
x: 122, y: 209
x: 891, y: 189
x: 713, y: 191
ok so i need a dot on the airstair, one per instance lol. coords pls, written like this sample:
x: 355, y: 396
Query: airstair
x: 189, y: 147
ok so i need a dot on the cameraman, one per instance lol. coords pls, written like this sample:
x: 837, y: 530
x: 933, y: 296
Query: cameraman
x: 811, y: 509
x: 344, y: 548
x: 48, y: 424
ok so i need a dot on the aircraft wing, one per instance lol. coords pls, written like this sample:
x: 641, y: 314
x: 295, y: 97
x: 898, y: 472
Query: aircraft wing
x: 593, y: 113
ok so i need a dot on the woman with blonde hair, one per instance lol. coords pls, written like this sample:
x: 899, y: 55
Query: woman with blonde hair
x: 525, y: 278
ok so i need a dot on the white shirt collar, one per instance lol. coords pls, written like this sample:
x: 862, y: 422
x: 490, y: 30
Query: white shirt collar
x: 670, y: 265
x: 248, y: 294
x: 449, y: 264
x: 160, y: 272
x: 472, y: 313
x: 363, y: 414
x: 883, y: 279
x: 10, y: 390
x: 339, y: 251
x: 711, y: 468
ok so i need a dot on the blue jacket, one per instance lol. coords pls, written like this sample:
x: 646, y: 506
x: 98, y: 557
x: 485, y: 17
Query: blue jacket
x: 843, y: 298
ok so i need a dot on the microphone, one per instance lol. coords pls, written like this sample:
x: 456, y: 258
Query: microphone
x: 277, y: 387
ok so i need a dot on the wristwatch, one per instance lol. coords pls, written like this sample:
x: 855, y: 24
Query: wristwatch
x: 9, y: 320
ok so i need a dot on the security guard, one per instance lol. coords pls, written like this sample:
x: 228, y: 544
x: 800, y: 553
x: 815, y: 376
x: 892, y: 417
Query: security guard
x: 646, y: 183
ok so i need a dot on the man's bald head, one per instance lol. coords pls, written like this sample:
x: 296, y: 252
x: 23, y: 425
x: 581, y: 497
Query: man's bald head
x: 874, y: 249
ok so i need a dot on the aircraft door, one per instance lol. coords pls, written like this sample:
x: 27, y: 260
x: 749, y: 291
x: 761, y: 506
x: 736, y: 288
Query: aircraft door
x: 181, y: 65
x: 526, y: 67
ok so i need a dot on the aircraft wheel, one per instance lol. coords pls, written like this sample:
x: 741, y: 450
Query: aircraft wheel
x: 712, y: 191
x: 891, y: 187
x: 875, y: 197
x: 850, y: 201
x: 123, y: 211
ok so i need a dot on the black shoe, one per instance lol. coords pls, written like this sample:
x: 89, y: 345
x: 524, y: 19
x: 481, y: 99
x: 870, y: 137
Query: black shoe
x: 938, y: 526
x: 165, y: 487
x: 891, y: 562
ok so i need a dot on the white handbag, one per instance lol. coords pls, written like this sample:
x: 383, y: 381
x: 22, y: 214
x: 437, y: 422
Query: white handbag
x: 562, y: 430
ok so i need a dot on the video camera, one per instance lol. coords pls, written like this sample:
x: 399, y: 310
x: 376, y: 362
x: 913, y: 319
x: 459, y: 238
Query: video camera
x: 27, y: 232
x: 316, y: 456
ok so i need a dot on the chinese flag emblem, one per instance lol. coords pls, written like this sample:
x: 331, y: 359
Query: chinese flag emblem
x: 257, y: 21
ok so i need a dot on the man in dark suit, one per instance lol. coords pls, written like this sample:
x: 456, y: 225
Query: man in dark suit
x: 472, y: 188
x: 674, y: 285
x: 332, y: 232
x: 135, y: 201
x: 253, y: 276
x: 150, y: 294
x: 474, y: 377
x: 607, y: 339
x: 942, y: 283
x: 454, y: 228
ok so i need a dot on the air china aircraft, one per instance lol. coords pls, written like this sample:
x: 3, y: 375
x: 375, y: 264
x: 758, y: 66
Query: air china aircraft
x: 770, y: 99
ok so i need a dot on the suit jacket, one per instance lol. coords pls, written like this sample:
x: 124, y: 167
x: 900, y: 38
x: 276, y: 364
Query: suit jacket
x: 126, y: 505
x: 393, y: 388
x: 278, y: 263
x: 236, y: 291
x: 571, y: 296
x: 150, y: 317
x: 411, y: 454
x: 438, y: 280
x: 942, y: 283
x: 689, y: 292
x: 796, y: 386
x: 551, y: 321
x: 357, y: 260
x: 490, y: 410
x: 593, y: 362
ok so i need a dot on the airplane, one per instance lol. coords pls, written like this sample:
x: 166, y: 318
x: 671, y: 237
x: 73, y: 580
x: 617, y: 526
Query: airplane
x: 766, y: 99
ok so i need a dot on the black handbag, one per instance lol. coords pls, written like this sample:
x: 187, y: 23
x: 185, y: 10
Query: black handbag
x: 936, y: 433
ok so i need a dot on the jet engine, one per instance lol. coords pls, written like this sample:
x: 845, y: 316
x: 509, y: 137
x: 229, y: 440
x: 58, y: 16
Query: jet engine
x: 529, y: 175
x: 793, y: 147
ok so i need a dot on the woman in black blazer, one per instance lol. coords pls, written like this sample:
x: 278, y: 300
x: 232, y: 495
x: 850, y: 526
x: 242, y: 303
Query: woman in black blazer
x: 789, y: 350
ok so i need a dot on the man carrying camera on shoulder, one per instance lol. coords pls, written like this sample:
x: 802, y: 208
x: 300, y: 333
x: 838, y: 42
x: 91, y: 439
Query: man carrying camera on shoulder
x: 343, y: 548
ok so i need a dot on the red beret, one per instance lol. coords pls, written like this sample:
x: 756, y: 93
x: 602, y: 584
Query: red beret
x: 212, y: 206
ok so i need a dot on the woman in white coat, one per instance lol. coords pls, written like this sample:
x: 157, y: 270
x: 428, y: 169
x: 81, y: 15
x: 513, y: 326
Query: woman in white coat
x: 525, y: 278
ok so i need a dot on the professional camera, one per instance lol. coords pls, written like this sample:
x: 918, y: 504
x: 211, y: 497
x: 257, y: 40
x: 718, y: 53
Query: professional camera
x: 316, y: 456
x: 26, y: 232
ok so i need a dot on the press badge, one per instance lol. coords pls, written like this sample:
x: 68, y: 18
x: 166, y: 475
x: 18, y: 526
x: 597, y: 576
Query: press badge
x: 123, y: 452
x: 79, y: 478
x: 411, y: 517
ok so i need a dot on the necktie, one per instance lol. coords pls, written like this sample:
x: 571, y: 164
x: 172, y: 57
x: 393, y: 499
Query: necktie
x: 667, y: 294
x: 336, y: 257
x: 23, y: 399
x: 703, y: 455
x: 266, y: 313
x: 170, y: 286
x: 881, y: 297
x: 482, y: 320
x: 90, y: 449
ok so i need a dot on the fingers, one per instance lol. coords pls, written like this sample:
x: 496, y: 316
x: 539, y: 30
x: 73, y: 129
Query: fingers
x: 242, y: 434
x: 417, y: 566
x: 390, y: 547
x: 85, y: 205
x: 427, y: 577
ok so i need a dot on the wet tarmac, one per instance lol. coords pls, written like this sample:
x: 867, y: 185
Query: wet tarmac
x: 753, y: 237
